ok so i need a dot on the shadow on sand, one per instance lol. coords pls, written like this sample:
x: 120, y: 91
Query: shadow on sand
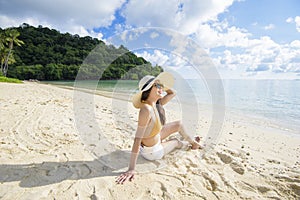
x: 46, y: 173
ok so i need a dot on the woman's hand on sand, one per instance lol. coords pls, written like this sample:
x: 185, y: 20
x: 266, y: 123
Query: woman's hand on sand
x: 129, y: 175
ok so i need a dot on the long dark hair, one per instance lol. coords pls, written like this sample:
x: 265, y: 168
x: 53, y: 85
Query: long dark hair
x: 159, y: 107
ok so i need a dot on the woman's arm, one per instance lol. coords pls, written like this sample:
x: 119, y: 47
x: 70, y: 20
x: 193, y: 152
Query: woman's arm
x: 144, y: 117
x: 129, y: 174
x: 137, y: 142
x: 170, y: 94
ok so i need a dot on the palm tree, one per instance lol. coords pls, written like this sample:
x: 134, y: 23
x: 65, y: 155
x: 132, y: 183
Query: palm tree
x: 12, y: 38
x: 2, y: 49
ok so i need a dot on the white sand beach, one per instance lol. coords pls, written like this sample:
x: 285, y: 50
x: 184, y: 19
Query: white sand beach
x: 44, y: 155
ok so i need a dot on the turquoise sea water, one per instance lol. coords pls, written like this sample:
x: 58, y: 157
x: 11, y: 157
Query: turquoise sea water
x: 277, y: 101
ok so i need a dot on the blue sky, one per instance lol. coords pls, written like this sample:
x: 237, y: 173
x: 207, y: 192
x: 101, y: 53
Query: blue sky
x: 243, y: 38
x: 256, y: 16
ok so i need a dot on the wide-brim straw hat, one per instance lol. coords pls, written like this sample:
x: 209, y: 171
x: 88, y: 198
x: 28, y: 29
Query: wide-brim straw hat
x: 146, y: 83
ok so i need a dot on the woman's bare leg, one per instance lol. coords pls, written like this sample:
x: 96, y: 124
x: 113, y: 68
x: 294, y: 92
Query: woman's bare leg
x: 177, y: 126
x: 169, y: 129
x: 170, y: 145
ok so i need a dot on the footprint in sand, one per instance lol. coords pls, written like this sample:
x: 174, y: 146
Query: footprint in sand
x: 226, y: 158
x: 237, y: 167
x: 213, y: 182
x: 234, y: 164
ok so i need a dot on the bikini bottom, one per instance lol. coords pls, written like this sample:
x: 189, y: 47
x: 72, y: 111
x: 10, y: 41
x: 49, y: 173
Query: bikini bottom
x: 154, y: 152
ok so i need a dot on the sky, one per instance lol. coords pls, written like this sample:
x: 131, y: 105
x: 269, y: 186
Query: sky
x: 245, y: 39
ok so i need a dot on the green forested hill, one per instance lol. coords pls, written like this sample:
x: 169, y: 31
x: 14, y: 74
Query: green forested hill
x: 48, y: 54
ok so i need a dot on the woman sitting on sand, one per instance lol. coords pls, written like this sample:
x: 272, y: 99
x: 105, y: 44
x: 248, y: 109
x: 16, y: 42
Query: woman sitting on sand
x: 152, y: 129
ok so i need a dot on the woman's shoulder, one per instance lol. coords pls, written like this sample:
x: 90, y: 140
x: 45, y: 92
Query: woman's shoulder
x: 145, y: 111
x: 146, y: 108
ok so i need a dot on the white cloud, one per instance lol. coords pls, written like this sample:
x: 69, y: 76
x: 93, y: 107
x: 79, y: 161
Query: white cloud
x: 156, y: 58
x: 289, y: 20
x: 6, y: 21
x: 150, y: 13
x: 297, y: 21
x: 82, y: 31
x: 185, y: 16
x: 262, y: 57
x: 295, y: 44
x: 269, y: 27
x: 66, y: 16
x: 219, y: 34
x: 154, y: 35
x: 162, y: 58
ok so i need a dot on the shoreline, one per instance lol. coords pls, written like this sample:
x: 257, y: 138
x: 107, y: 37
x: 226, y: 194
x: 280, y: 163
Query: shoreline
x: 272, y: 124
x: 44, y: 155
x: 254, y: 119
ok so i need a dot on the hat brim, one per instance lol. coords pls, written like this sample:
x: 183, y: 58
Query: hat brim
x: 164, y: 78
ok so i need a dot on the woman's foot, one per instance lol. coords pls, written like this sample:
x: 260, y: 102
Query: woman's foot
x: 182, y: 144
x: 195, y: 144
x: 197, y: 138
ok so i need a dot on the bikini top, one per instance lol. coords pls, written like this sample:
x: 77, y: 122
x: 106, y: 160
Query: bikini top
x: 157, y: 126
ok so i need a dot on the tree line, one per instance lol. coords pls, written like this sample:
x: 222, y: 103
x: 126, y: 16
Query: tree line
x: 46, y: 54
